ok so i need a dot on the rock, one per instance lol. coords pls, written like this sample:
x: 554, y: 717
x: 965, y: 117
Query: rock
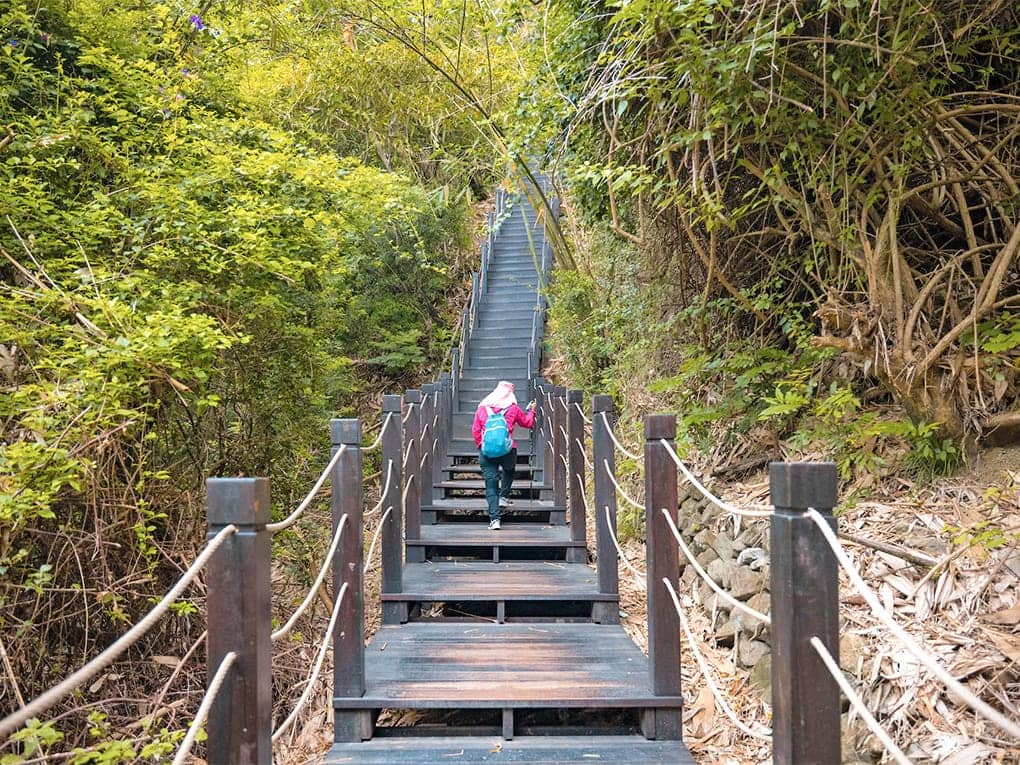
x: 700, y: 541
x: 753, y: 557
x: 721, y: 571
x: 744, y: 582
x: 706, y: 556
x: 926, y: 542
x: 752, y: 536
x: 857, y: 743
x: 723, y: 545
x: 725, y: 635
x: 738, y: 545
x: 851, y: 648
x: 750, y: 652
x: 761, y: 674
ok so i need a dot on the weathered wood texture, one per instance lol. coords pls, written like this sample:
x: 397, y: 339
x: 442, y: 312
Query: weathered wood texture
x: 604, y: 460
x: 392, y: 505
x: 663, y: 563
x: 805, y: 603
x: 498, y: 666
x: 349, y: 635
x: 537, y: 750
x: 412, y: 472
x: 511, y: 535
x: 576, y: 439
x: 510, y: 580
x: 237, y: 603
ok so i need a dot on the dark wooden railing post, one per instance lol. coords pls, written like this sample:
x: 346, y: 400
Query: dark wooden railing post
x: 540, y: 437
x: 239, y: 620
x: 805, y: 604
x: 429, y: 442
x: 604, y: 460
x: 391, y: 541
x: 559, y: 453
x: 455, y: 375
x: 575, y: 450
x: 413, y: 477
x: 346, y: 499
x: 663, y: 562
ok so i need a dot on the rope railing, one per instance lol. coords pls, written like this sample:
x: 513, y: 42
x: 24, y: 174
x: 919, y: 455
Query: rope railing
x: 314, y: 589
x: 619, y: 489
x: 857, y: 703
x: 291, y: 519
x: 763, y: 735
x: 764, y: 618
x: 375, y: 538
x: 43, y: 702
x: 379, y: 438
x: 577, y: 406
x: 620, y: 447
x: 639, y: 576
x: 386, y: 487
x: 709, y: 495
x: 584, y: 456
x: 184, y: 752
x: 880, y: 612
x: 406, y: 417
x: 317, y: 667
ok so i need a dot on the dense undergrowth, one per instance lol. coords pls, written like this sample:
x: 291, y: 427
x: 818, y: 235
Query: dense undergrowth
x: 219, y: 227
x: 812, y: 209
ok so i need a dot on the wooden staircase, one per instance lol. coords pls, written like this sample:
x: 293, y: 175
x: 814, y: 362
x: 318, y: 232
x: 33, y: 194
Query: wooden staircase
x: 503, y: 639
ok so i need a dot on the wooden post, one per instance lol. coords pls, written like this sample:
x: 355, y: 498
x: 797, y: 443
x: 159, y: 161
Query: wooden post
x: 540, y: 439
x: 239, y: 621
x: 429, y: 441
x: 662, y: 563
x: 413, y: 477
x: 454, y: 378
x: 392, y: 544
x: 559, y: 454
x: 604, y: 459
x: 805, y: 604
x: 575, y: 450
x: 346, y: 499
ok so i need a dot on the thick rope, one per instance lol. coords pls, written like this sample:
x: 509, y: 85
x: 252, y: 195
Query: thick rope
x: 314, y: 589
x: 765, y: 735
x: 378, y: 439
x: 709, y: 495
x: 375, y: 538
x: 580, y: 411
x: 975, y: 703
x: 765, y: 618
x: 583, y: 455
x: 326, y: 641
x: 386, y: 488
x: 406, y: 417
x: 639, y: 576
x: 40, y: 704
x: 619, y: 446
x: 292, y: 518
x: 619, y: 489
x: 203, y: 710
x: 857, y: 703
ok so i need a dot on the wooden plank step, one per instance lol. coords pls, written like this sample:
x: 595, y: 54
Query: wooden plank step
x: 474, y: 468
x: 478, y: 535
x: 536, y: 750
x: 479, y: 504
x: 477, y: 665
x: 476, y: 485
x: 507, y: 581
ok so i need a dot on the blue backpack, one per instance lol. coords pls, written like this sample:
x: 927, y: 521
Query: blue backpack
x: 496, y: 436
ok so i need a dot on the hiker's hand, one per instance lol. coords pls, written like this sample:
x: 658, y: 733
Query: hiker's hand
x: 531, y: 404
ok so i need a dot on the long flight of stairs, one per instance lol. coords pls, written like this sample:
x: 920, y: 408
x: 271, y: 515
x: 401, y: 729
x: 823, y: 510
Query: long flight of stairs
x: 509, y: 653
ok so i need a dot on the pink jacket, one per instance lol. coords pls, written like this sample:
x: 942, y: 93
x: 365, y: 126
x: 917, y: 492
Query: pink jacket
x: 514, y: 416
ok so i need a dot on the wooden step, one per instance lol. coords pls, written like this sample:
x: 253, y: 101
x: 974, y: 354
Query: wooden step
x: 478, y: 665
x: 478, y: 535
x: 469, y: 484
x: 536, y: 750
x: 498, y: 582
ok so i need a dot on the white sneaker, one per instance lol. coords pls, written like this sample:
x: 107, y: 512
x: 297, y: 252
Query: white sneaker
x: 504, y: 502
x: 494, y: 525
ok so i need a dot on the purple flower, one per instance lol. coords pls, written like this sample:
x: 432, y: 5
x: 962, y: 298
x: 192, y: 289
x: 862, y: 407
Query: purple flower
x: 196, y: 22
x: 13, y: 43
